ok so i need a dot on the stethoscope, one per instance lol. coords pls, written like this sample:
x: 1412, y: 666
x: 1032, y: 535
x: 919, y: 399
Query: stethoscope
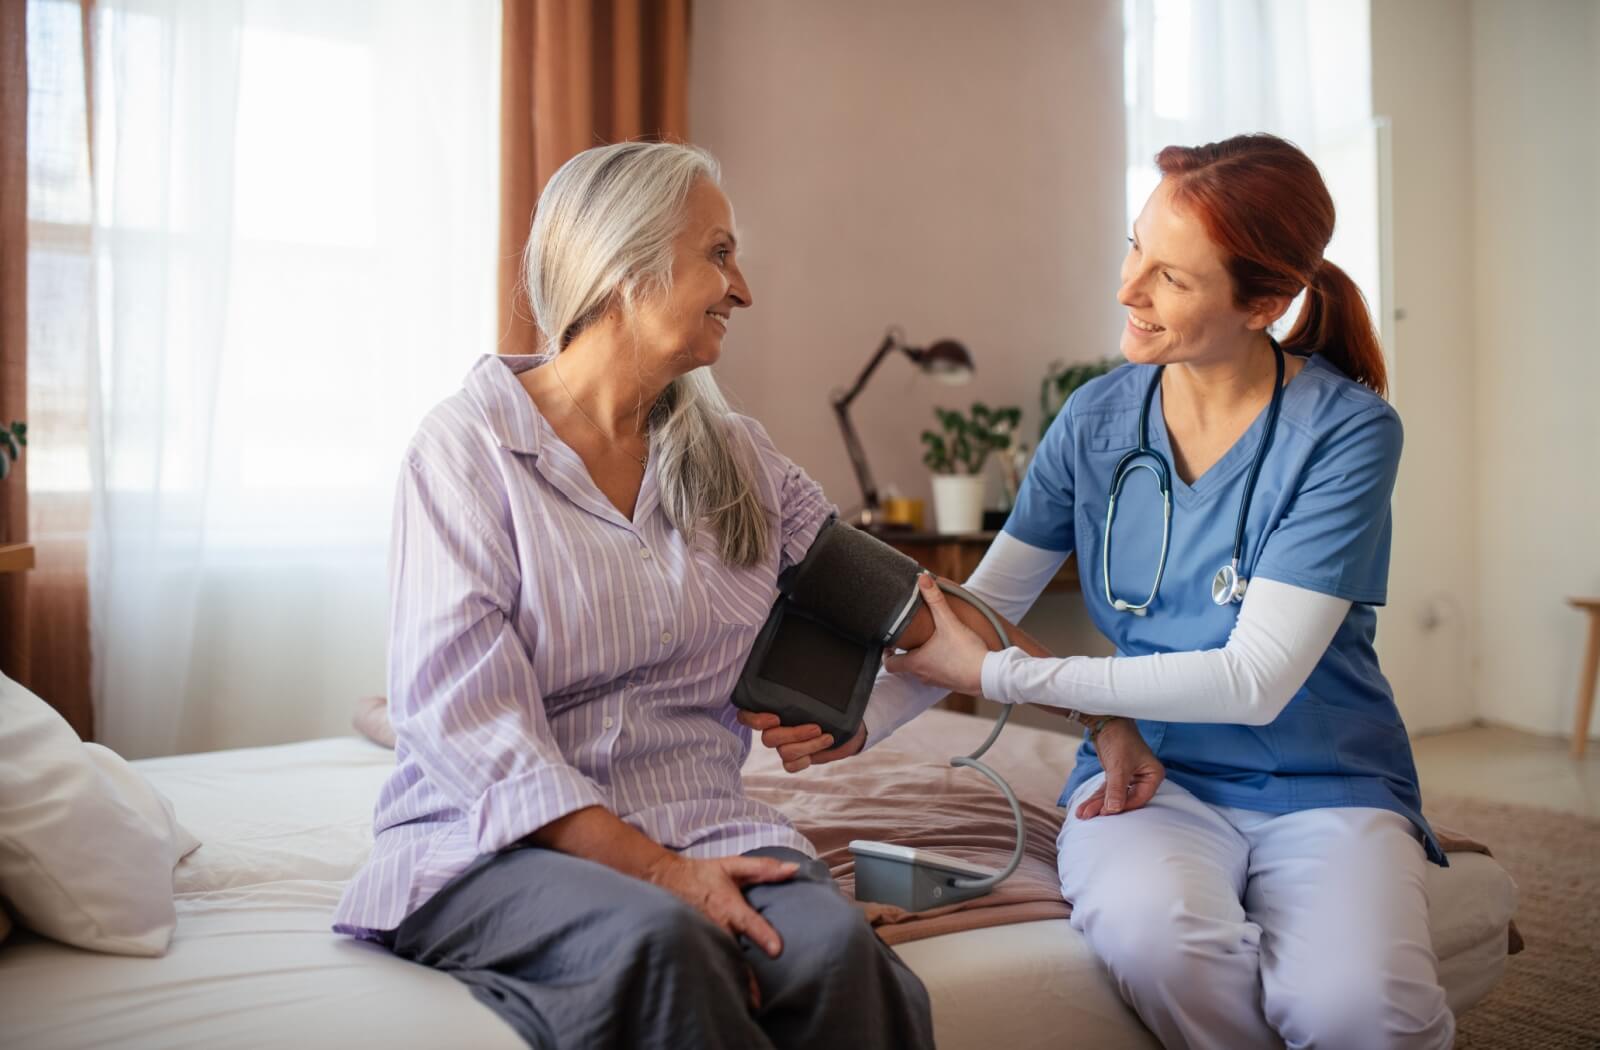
x: 1227, y: 586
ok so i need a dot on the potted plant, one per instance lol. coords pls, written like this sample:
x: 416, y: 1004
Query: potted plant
x: 13, y: 440
x: 957, y: 456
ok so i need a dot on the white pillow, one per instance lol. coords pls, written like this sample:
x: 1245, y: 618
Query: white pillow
x: 87, y: 846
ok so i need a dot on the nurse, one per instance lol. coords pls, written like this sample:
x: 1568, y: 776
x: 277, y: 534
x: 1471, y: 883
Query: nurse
x: 1272, y: 891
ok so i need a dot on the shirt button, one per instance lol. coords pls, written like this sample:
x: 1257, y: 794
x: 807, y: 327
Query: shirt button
x: 666, y: 637
x: 644, y: 552
x: 609, y: 722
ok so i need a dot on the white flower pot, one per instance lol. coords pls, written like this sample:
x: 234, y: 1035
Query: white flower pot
x: 958, y: 502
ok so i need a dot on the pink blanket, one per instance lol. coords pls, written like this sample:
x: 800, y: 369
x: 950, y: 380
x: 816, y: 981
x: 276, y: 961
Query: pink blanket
x: 906, y: 793
x: 902, y: 794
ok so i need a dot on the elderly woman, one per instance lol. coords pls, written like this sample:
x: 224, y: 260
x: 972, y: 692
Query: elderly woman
x: 585, y: 544
x: 1271, y: 892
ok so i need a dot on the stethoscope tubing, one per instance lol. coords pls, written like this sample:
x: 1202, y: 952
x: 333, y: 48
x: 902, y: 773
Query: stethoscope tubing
x: 987, y: 883
x: 1144, y: 457
x: 1273, y: 407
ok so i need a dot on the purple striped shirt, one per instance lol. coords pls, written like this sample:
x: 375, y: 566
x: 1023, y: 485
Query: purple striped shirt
x: 547, y: 654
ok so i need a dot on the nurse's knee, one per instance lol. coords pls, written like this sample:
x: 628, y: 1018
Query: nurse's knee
x: 1156, y: 942
x: 1350, y: 1003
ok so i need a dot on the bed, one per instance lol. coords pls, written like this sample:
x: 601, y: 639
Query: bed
x: 253, y: 963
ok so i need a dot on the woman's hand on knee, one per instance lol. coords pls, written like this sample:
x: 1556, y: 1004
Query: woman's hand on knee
x: 802, y: 746
x: 715, y: 888
x: 1133, y: 773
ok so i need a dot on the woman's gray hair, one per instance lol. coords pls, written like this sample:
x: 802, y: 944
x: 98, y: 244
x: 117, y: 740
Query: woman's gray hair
x: 603, y: 236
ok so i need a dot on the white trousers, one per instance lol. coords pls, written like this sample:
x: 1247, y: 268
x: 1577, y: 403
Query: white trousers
x: 1233, y: 929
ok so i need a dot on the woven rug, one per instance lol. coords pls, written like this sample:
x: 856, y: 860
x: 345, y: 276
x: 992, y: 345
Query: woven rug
x: 1550, y: 995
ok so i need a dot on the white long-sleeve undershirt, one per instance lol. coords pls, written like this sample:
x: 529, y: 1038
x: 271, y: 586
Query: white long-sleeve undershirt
x: 1281, y: 634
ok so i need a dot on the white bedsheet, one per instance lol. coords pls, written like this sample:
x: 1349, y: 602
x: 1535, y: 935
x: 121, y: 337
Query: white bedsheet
x: 254, y: 964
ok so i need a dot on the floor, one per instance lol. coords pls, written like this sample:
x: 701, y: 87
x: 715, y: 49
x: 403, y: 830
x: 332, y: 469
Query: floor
x: 1507, y: 765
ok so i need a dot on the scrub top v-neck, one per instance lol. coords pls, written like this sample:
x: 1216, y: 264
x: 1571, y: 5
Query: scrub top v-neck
x: 1235, y: 459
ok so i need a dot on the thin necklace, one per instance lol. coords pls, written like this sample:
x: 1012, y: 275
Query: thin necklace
x: 641, y: 460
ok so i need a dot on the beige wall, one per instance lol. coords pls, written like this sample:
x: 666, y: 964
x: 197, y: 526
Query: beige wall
x: 955, y: 168
x: 1496, y: 131
x: 1422, y: 82
x: 1536, y: 153
x: 952, y: 167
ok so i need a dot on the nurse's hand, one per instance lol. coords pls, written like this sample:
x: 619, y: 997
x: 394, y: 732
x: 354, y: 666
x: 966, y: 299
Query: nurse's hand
x: 1132, y: 771
x: 952, y: 658
x: 801, y: 746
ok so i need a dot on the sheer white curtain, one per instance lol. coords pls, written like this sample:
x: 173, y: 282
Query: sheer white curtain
x: 293, y: 244
x: 1199, y: 71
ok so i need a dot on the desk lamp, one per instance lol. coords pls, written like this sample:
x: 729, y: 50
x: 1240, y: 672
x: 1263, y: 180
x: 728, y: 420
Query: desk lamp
x: 946, y: 361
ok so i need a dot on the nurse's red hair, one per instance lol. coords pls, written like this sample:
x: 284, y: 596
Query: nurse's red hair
x: 1265, y: 205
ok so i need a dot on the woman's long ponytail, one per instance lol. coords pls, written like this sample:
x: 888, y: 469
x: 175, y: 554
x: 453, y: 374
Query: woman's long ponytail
x: 1334, y: 322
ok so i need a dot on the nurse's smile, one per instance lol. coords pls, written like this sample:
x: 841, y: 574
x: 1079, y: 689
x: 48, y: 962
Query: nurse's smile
x: 1181, y: 301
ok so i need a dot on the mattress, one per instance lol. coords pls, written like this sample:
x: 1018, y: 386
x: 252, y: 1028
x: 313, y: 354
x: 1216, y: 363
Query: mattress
x: 253, y: 963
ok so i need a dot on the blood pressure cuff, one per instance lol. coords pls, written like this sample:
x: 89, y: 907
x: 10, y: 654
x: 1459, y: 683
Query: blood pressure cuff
x: 822, y: 645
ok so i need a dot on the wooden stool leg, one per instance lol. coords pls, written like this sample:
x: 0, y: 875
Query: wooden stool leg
x: 1586, y: 686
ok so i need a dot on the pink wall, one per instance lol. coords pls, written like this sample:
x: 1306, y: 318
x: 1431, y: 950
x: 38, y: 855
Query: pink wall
x: 953, y: 167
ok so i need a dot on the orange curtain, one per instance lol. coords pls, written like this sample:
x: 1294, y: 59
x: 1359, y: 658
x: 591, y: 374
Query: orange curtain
x: 58, y: 595
x: 44, y: 613
x: 14, y: 649
x: 575, y: 74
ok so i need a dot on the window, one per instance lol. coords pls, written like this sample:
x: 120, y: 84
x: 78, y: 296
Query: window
x: 286, y: 256
x: 1199, y: 71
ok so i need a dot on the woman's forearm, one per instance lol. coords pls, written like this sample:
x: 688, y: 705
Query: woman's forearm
x: 1009, y: 578
x: 595, y: 833
x: 920, y: 629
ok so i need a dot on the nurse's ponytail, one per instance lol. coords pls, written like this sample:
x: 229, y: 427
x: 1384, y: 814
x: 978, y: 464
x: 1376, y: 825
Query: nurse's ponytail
x: 1335, y: 323
x: 1265, y: 205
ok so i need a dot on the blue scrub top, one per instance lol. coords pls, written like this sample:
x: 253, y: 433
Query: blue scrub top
x: 1319, y: 519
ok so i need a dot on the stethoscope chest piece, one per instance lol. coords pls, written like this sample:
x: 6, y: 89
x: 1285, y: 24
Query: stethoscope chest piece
x: 1227, y: 586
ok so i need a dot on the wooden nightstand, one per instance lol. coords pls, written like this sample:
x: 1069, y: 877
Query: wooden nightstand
x: 1589, y: 677
x: 954, y: 556
x: 16, y: 557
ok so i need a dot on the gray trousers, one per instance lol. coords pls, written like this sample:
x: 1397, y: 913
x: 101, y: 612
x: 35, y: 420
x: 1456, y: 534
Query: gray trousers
x: 573, y: 954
